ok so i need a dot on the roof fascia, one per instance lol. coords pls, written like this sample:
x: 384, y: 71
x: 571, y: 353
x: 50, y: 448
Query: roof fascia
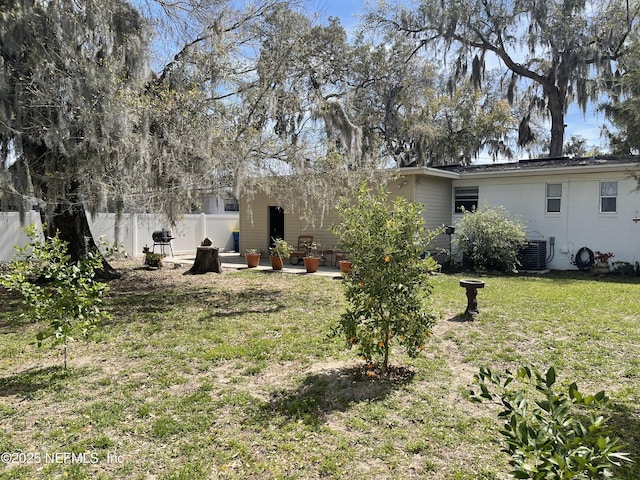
x: 583, y: 169
x: 429, y: 171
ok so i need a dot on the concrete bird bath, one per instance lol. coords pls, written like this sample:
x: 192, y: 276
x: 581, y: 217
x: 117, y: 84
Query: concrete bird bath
x: 472, y: 287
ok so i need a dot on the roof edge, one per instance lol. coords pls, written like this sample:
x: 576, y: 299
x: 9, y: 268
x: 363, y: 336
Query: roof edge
x: 547, y: 165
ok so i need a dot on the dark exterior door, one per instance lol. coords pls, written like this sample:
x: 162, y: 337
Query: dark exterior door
x: 276, y: 223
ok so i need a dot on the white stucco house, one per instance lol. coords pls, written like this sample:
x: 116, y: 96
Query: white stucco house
x: 566, y: 203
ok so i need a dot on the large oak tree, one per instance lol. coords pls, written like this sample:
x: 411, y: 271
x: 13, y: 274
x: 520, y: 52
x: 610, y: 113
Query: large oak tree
x: 553, y: 50
x: 66, y: 70
x: 410, y: 118
x: 624, y: 110
x: 84, y: 120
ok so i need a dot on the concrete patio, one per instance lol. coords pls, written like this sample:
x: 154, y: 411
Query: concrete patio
x: 236, y: 261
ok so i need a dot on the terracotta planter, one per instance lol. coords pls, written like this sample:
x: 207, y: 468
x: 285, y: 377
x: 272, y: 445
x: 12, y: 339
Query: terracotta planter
x: 311, y: 264
x: 276, y: 262
x: 252, y: 259
x: 345, y: 266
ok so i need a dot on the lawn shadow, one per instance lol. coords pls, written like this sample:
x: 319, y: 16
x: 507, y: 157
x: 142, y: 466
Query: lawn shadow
x: 249, y: 300
x: 463, y: 318
x: 13, y: 322
x: 218, y: 303
x: 565, y: 277
x: 320, y: 394
x: 10, y: 307
x: 625, y: 424
x: 32, y: 380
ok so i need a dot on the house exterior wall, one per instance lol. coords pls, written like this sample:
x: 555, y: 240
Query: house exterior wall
x: 294, y: 227
x: 254, y: 225
x: 215, y: 203
x: 579, y: 222
x: 435, y: 193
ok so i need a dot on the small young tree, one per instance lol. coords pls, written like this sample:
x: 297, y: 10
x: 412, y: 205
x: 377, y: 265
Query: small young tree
x: 388, y: 283
x: 55, y: 291
x: 490, y: 238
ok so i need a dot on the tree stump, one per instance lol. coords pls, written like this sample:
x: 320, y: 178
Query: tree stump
x: 207, y: 260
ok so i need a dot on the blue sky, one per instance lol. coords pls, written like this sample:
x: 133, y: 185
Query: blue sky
x: 587, y: 127
x: 346, y: 10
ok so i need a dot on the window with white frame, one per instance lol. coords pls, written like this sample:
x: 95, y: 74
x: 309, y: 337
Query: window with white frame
x: 608, y: 197
x: 465, y: 197
x: 554, y: 197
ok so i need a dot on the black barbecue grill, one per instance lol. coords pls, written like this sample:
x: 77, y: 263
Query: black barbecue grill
x: 162, y: 238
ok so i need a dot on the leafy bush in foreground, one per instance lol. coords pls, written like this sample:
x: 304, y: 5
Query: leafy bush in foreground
x: 547, y: 436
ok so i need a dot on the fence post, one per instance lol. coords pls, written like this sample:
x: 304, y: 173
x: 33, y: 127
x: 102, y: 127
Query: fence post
x: 134, y: 233
x: 203, y: 219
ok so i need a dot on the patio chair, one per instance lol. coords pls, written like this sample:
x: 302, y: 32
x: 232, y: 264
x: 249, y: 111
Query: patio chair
x: 302, y: 249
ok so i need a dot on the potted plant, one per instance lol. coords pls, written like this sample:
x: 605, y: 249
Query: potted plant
x: 345, y: 265
x: 602, y: 260
x: 312, y: 259
x: 252, y: 256
x: 278, y: 252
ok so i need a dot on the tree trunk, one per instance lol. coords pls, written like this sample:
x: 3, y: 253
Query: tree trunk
x: 387, y: 339
x: 69, y: 221
x: 556, y: 110
x: 207, y: 260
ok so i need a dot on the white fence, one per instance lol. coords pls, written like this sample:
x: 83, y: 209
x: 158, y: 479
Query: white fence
x: 134, y: 231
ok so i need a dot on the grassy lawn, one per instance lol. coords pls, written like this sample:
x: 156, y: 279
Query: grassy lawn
x: 235, y: 376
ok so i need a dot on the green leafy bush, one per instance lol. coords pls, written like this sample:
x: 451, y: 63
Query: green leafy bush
x: 280, y: 248
x: 490, y: 238
x: 388, y: 283
x: 63, y: 295
x: 548, y: 434
x: 625, y: 268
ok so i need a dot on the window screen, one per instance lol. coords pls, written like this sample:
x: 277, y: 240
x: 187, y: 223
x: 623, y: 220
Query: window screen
x: 466, y: 197
x: 554, y: 197
x: 608, y: 197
